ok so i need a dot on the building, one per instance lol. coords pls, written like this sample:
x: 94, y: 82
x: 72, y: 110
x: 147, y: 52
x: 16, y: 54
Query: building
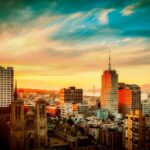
x: 6, y: 86
x: 135, y: 131
x: 129, y: 98
x: 71, y: 95
x: 124, y: 98
x: 82, y: 108
x: 28, y: 130
x: 109, y: 90
x: 146, y: 108
x: 66, y: 110
x: 110, y: 139
x: 102, y: 114
x: 135, y: 104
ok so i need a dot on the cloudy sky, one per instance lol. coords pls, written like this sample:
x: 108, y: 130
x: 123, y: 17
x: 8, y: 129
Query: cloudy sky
x: 58, y: 43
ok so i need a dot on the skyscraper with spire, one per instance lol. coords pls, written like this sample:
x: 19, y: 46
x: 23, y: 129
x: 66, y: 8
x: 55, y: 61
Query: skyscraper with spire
x: 109, y: 89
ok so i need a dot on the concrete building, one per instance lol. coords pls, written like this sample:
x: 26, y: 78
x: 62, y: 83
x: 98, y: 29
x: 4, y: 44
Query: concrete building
x: 146, y: 108
x: 129, y: 98
x: 6, y: 86
x: 136, y: 97
x: 109, y: 90
x: 102, y: 114
x: 66, y: 110
x: 71, y: 95
x: 82, y: 108
x: 135, y: 131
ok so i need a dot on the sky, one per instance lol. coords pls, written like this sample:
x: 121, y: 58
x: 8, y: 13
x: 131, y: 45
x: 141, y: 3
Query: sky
x: 59, y: 43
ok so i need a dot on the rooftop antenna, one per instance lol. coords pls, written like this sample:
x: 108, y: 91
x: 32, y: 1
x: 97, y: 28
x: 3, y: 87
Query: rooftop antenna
x: 109, y: 61
x: 15, y: 93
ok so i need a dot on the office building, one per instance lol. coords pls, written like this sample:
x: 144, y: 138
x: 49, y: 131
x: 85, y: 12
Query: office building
x: 6, y: 86
x: 124, y: 98
x: 146, y: 108
x: 71, y: 95
x: 129, y: 98
x: 135, y: 131
x: 109, y: 90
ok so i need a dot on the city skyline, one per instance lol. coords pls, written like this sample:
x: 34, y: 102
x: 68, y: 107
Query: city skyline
x: 55, y: 44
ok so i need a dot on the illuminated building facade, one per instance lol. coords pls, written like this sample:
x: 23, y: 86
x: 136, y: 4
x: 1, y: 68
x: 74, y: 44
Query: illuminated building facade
x: 71, y: 95
x: 124, y: 98
x: 129, y: 98
x: 6, y: 86
x: 109, y: 90
x: 135, y: 131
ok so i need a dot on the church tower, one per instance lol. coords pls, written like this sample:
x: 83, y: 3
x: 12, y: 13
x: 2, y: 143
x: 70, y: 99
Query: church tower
x: 17, y: 123
x: 41, y: 122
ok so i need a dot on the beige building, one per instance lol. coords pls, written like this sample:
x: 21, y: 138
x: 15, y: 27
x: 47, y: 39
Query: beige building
x: 6, y: 86
x: 135, y: 131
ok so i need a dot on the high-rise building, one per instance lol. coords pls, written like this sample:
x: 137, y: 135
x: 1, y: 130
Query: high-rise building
x: 135, y: 104
x: 135, y: 131
x: 6, y: 86
x: 124, y: 98
x: 109, y: 90
x: 129, y: 98
x: 71, y: 95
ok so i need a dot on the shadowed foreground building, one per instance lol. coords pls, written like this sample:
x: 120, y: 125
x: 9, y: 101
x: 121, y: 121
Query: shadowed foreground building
x: 28, y: 129
x: 110, y: 139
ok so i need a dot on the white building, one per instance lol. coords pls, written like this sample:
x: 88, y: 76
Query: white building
x: 146, y: 108
x: 66, y: 110
x: 6, y: 86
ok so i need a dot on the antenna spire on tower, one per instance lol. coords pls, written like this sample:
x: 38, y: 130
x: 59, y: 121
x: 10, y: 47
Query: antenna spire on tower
x: 15, y: 93
x: 109, y: 61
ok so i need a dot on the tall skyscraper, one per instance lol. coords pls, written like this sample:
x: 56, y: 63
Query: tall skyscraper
x: 6, y: 86
x: 109, y: 90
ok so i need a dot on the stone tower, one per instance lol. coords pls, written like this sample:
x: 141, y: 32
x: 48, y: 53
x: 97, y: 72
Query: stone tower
x: 17, y: 125
x: 41, y: 122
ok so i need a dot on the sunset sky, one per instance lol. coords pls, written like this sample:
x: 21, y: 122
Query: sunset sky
x: 59, y: 43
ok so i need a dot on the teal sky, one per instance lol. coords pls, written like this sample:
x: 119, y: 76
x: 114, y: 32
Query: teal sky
x: 58, y: 43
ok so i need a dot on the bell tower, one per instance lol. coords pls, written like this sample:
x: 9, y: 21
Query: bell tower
x: 41, y: 122
x: 17, y: 123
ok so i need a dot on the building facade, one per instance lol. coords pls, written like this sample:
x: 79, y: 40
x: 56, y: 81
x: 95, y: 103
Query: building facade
x: 6, y: 86
x: 28, y: 130
x: 135, y: 131
x: 124, y: 98
x: 129, y: 98
x: 109, y: 90
x: 71, y: 95
x: 102, y: 114
x: 110, y: 139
